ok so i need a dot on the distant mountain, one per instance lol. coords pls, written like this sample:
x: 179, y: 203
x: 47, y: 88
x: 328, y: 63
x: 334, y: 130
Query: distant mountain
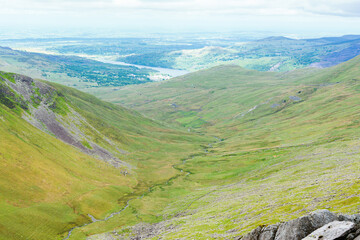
x: 335, y: 39
x: 275, y: 53
x: 343, y: 55
x: 276, y: 38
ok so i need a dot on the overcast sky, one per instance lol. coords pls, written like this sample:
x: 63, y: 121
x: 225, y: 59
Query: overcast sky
x: 291, y: 16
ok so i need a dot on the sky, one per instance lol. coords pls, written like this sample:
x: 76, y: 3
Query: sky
x: 294, y: 17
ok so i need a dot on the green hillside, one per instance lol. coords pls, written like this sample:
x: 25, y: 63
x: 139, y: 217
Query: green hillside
x: 229, y: 149
x: 65, y: 154
x: 289, y: 146
x: 77, y: 72
x: 278, y: 54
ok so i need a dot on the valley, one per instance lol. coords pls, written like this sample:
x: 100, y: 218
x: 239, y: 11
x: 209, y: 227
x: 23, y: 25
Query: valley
x: 294, y: 153
x: 64, y: 178
x: 179, y: 120
x: 207, y: 155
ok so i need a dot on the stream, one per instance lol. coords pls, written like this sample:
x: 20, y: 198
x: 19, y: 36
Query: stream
x: 94, y: 220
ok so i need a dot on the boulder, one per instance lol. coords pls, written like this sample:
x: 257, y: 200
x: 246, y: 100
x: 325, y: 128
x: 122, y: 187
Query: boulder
x: 320, y: 224
x: 269, y: 232
x: 253, y: 235
x: 351, y: 218
x: 262, y: 233
x: 332, y: 231
x: 301, y: 227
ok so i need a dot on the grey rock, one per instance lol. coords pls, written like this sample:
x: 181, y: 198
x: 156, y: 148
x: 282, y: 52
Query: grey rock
x: 352, y: 218
x: 103, y: 236
x: 321, y: 217
x: 351, y: 236
x: 262, y: 233
x: 301, y: 227
x: 174, y: 105
x: 253, y: 235
x: 332, y: 231
x: 295, y: 98
x: 357, y: 238
x: 269, y: 232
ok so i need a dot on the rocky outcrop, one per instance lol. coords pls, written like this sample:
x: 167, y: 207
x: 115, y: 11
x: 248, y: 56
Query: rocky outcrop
x: 301, y: 227
x: 333, y: 230
x: 262, y: 233
x: 47, y: 109
x: 321, y: 224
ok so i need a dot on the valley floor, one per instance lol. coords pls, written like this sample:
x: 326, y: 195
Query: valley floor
x: 296, y: 151
x: 230, y: 149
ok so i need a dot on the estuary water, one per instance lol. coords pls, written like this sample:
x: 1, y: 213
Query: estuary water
x: 168, y: 71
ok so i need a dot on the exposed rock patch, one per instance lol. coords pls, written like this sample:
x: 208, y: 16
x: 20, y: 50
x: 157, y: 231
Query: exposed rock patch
x: 139, y: 231
x: 275, y: 105
x: 295, y: 98
x: 41, y: 102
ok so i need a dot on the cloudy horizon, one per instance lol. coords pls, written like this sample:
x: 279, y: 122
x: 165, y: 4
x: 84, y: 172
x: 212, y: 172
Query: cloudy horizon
x: 302, y: 17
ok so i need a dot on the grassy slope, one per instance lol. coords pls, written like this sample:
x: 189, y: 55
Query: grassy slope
x: 47, y: 186
x: 278, y: 161
x: 201, y: 97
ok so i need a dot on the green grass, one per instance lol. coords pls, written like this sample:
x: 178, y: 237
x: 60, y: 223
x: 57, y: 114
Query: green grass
x: 278, y: 161
x: 40, y: 174
x: 47, y: 187
x: 8, y: 76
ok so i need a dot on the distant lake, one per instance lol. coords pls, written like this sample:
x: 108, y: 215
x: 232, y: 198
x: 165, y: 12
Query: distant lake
x: 169, y: 71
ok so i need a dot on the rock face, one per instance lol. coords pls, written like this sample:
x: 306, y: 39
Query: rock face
x: 41, y: 104
x: 321, y: 224
x: 268, y: 232
x: 331, y: 231
x: 301, y: 227
x: 262, y: 233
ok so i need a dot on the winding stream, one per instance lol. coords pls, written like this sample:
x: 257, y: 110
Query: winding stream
x: 94, y: 220
x: 101, y: 220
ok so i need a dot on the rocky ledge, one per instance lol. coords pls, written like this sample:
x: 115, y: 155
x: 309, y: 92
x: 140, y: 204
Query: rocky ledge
x: 318, y: 225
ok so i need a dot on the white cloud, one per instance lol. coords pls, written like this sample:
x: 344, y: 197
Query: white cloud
x: 184, y: 14
x: 266, y: 7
